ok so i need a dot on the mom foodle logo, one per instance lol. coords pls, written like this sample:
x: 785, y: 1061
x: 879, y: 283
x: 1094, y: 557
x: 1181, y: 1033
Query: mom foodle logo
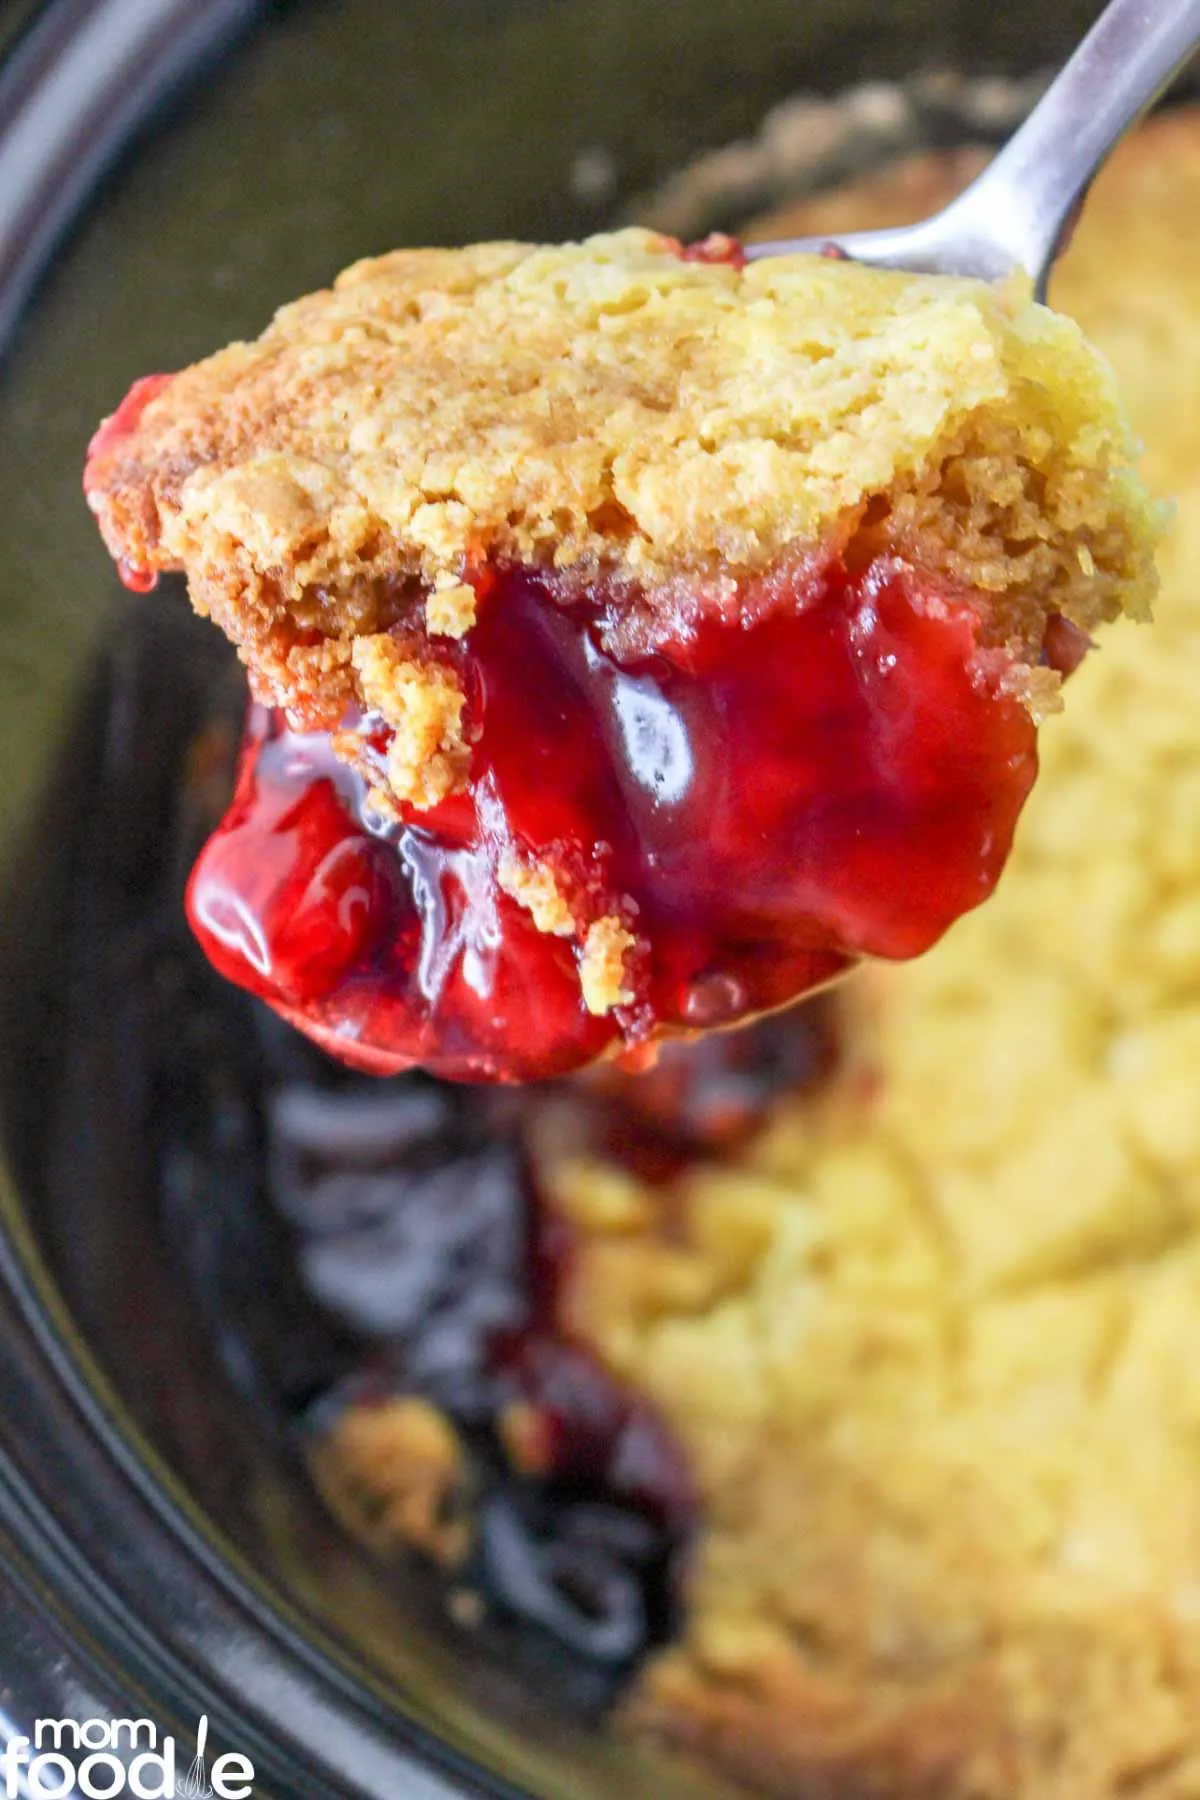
x: 102, y: 1758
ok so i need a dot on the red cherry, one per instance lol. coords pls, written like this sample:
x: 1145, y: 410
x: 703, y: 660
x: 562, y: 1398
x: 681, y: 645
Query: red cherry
x: 717, y: 247
x: 289, y: 910
x: 1065, y: 645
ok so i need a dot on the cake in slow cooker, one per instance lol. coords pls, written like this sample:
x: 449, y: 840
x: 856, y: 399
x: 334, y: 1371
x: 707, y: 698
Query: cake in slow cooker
x: 642, y: 637
x: 927, y: 1333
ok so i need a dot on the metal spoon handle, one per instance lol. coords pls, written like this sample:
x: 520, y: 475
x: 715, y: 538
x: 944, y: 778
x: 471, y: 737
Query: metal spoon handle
x: 1024, y: 199
x: 1016, y: 211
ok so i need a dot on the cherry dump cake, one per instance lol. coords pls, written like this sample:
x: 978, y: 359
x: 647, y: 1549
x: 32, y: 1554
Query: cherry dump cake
x: 639, y: 638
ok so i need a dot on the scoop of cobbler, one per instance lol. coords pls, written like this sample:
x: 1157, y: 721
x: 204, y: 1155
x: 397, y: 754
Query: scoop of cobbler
x: 640, y: 637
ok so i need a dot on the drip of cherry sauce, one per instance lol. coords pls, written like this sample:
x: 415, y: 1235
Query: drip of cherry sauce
x: 762, y: 800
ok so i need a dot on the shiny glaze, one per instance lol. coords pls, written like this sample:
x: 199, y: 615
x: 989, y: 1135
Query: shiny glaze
x: 820, y: 772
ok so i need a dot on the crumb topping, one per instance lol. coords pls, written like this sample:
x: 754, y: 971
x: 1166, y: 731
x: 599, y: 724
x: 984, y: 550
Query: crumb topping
x: 537, y: 889
x: 450, y: 608
x: 396, y: 1471
x: 603, y: 965
x: 428, y: 758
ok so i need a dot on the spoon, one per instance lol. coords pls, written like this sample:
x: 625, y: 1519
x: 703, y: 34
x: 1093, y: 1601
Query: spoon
x: 1017, y: 213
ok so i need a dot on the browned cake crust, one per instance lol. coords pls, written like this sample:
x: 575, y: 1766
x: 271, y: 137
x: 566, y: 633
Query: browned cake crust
x: 612, y: 407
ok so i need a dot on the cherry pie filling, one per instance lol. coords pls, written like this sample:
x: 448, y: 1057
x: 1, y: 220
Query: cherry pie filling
x: 756, y: 802
x: 747, y: 795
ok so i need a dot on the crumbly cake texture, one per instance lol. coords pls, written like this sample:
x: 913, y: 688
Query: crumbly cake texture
x: 932, y: 1346
x: 397, y: 1471
x: 678, y: 425
x: 423, y: 703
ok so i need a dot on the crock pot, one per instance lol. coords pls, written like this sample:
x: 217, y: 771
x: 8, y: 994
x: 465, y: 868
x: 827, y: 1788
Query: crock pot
x: 170, y: 170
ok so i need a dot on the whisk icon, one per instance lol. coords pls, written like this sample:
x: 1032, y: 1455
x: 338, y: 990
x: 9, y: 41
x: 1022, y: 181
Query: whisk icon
x: 195, y: 1785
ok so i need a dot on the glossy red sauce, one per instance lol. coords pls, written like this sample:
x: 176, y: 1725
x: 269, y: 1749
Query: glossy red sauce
x: 763, y: 803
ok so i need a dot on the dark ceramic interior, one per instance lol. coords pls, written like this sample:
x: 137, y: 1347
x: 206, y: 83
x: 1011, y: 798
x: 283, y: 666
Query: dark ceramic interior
x: 150, y: 1528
